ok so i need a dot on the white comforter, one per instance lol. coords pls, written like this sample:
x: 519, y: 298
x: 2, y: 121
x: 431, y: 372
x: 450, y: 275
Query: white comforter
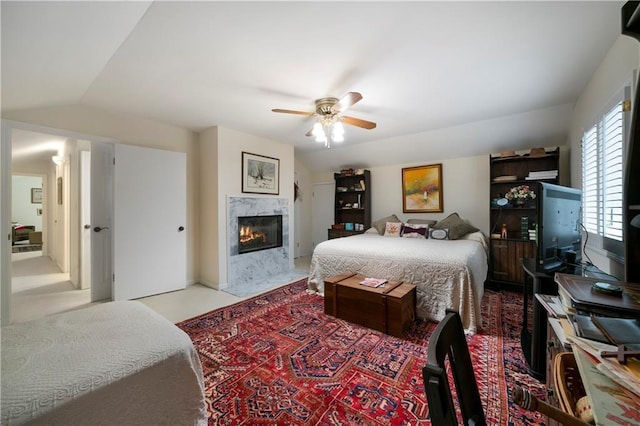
x: 115, y: 363
x: 448, y: 274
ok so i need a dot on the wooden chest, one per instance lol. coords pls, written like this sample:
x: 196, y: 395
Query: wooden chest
x: 390, y: 308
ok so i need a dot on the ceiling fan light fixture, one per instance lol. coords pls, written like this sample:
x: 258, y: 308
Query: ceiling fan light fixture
x: 337, y: 135
x: 317, y: 130
x: 329, y: 125
x: 338, y: 127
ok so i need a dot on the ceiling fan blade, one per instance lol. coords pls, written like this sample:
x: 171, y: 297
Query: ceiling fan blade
x: 290, y: 111
x: 347, y: 101
x: 359, y: 122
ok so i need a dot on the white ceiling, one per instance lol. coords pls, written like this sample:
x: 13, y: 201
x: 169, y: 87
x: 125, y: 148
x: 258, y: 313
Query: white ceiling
x: 448, y: 78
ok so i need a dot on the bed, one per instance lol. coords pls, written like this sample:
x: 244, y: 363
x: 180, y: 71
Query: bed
x: 447, y: 273
x: 113, y: 363
x: 20, y: 232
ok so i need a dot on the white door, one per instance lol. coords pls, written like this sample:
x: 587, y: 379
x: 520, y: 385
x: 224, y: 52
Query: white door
x: 150, y: 250
x: 322, y: 214
x: 296, y: 221
x: 101, y: 218
x: 85, y: 219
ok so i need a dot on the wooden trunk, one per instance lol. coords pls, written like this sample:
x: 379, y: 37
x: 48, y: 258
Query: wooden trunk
x: 390, y: 309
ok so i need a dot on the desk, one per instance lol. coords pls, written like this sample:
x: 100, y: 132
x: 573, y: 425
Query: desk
x: 607, y: 407
x: 534, y: 318
x: 533, y: 337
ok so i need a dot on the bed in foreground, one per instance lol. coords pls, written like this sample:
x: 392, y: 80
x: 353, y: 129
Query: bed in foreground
x: 447, y: 273
x: 114, y: 363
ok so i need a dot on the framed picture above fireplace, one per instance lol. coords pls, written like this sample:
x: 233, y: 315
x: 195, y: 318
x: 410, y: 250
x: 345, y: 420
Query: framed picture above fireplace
x: 260, y: 174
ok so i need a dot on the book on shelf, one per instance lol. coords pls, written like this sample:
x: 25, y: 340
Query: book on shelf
x: 544, y: 174
x: 373, y: 282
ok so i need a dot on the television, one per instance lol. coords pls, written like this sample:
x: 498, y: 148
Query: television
x: 559, y: 222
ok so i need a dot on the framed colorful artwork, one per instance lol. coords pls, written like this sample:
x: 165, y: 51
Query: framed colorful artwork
x: 422, y: 189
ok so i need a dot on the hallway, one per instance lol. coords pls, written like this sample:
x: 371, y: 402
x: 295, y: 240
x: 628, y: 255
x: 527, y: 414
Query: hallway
x: 39, y: 288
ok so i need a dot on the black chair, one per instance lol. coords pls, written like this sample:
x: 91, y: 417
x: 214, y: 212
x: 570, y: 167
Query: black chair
x: 448, y: 347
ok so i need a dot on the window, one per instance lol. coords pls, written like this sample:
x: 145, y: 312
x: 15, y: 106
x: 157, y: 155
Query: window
x: 603, y: 148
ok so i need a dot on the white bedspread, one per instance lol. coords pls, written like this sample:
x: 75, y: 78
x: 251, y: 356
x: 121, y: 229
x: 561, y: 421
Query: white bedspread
x: 448, y: 274
x: 114, y: 363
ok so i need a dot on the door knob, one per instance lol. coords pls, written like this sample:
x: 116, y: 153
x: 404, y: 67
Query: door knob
x: 87, y: 227
x: 98, y: 229
x: 180, y: 228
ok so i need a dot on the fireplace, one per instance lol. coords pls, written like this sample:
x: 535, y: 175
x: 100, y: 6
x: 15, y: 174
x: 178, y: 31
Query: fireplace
x: 259, y: 233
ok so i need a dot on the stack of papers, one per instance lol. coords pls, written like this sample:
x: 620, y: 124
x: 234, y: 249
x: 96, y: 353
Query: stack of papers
x: 613, y: 389
x: 544, y: 174
x: 508, y: 178
x: 373, y: 282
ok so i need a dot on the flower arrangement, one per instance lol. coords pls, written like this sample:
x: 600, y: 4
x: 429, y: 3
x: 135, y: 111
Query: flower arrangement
x: 520, y: 193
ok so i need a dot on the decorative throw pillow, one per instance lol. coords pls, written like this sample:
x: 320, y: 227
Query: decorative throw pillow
x: 438, y: 234
x: 429, y: 222
x: 392, y: 229
x: 457, y: 226
x: 380, y: 224
x: 414, y: 231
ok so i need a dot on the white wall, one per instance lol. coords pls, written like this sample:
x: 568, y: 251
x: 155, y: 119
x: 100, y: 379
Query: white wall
x: 208, y: 223
x: 465, y: 190
x: 465, y: 186
x: 22, y: 210
x: 613, y: 73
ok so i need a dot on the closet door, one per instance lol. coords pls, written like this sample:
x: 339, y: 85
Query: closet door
x: 149, y: 222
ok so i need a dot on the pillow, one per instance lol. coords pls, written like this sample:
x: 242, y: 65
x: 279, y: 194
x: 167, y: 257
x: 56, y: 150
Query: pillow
x: 429, y: 222
x: 438, y: 234
x: 457, y: 227
x: 380, y: 224
x: 480, y: 238
x: 392, y: 229
x: 414, y: 231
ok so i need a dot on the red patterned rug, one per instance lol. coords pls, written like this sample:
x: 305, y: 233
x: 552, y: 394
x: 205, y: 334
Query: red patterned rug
x: 278, y: 359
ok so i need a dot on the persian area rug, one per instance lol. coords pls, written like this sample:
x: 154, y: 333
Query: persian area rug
x: 278, y: 359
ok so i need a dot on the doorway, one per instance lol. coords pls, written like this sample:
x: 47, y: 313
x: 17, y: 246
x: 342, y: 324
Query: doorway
x: 29, y: 149
x: 322, y: 210
x: 27, y: 207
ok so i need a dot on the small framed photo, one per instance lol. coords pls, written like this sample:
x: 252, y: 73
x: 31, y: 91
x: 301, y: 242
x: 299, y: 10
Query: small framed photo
x: 260, y: 174
x: 36, y: 195
x: 422, y: 189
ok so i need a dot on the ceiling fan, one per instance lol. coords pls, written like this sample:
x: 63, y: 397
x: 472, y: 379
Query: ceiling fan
x: 328, y: 126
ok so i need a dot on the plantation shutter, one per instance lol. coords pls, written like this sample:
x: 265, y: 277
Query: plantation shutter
x: 590, y: 181
x: 612, y: 177
x: 602, y: 178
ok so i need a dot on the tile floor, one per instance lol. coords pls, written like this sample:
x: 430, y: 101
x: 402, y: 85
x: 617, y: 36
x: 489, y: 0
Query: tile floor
x: 39, y: 289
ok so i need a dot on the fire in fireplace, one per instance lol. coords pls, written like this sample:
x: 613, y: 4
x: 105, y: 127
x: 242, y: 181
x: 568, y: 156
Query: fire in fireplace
x: 259, y: 233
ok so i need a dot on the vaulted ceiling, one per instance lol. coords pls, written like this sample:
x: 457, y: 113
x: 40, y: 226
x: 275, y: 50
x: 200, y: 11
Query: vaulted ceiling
x: 449, y: 78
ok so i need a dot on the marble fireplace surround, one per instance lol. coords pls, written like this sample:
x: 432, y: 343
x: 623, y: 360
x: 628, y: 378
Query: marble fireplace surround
x: 247, y: 270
